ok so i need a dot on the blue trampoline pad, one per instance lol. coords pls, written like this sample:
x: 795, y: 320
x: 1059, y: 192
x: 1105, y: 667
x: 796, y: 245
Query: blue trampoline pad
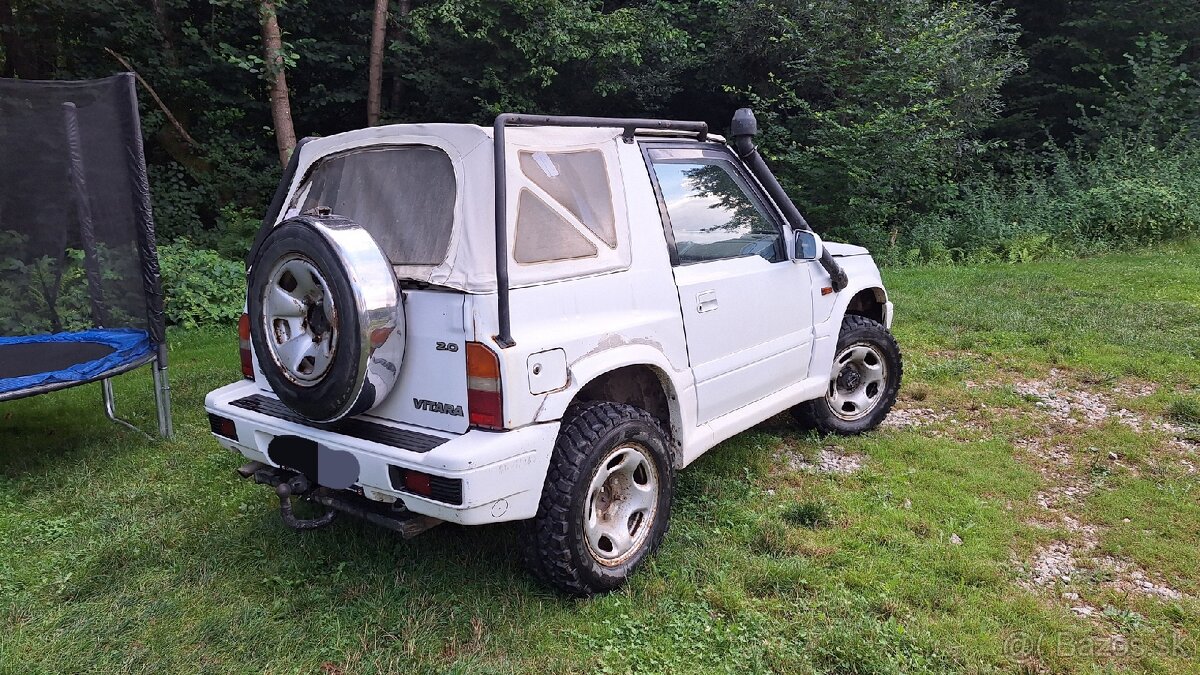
x: 38, y: 360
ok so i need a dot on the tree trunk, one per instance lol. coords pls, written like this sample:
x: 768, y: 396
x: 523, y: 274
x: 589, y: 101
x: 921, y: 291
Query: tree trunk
x: 14, y: 51
x: 375, y: 68
x: 163, y: 25
x: 281, y: 105
x: 396, y: 34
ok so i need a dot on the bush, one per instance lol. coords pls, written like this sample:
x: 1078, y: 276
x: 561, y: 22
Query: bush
x: 1128, y: 192
x: 872, y: 112
x: 1128, y: 178
x: 201, y: 287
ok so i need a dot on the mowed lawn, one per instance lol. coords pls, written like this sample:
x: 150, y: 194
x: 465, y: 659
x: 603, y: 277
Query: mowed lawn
x: 1032, y: 507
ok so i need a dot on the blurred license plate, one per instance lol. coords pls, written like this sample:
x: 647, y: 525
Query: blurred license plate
x: 336, y: 469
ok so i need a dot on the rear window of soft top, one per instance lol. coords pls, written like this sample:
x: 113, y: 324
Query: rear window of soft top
x: 402, y: 194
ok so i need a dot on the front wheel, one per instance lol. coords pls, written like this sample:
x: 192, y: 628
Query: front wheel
x: 863, y: 382
x: 606, y: 502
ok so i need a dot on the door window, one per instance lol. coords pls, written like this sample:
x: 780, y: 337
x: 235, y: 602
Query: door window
x: 713, y: 212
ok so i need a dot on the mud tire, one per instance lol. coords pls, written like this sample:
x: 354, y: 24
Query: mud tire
x: 553, y: 544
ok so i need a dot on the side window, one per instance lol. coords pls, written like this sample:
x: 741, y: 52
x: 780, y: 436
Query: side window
x: 542, y: 235
x: 577, y: 182
x: 713, y: 215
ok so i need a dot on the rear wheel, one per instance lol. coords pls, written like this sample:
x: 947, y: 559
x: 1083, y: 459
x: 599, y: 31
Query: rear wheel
x: 606, y: 503
x: 863, y: 383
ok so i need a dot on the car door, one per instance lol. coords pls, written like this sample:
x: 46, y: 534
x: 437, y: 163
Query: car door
x: 747, y: 307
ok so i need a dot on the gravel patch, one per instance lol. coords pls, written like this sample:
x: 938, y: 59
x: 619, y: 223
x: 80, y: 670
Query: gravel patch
x: 1074, y: 406
x: 1070, y: 564
x: 1062, y: 563
x: 831, y: 459
x: 1052, y: 565
x: 907, y: 418
x: 1129, y: 578
x: 1071, y: 405
x: 1135, y: 389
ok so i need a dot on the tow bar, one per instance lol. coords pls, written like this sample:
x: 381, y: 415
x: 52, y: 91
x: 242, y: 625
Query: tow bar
x: 290, y: 484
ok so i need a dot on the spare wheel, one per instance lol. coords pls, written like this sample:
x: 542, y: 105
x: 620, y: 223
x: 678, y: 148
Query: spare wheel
x: 326, y: 317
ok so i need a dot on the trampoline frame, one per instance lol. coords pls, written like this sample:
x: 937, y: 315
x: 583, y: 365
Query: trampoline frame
x: 157, y: 358
x: 162, y: 392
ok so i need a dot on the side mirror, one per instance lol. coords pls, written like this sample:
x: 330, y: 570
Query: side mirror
x: 808, y: 245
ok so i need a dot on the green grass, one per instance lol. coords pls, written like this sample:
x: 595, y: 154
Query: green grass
x: 118, y: 554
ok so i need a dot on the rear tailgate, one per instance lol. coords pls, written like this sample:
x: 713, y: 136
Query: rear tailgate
x: 432, y: 388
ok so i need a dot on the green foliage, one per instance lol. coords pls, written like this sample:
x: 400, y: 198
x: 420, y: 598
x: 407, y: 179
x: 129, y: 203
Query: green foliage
x: 913, y: 127
x: 1154, y: 95
x: 872, y: 109
x: 473, y: 59
x: 45, y: 294
x: 1080, y: 56
x: 1126, y: 193
x: 22, y: 299
x: 202, y: 288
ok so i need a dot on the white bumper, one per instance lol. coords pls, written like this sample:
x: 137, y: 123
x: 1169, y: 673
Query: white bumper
x: 501, y: 472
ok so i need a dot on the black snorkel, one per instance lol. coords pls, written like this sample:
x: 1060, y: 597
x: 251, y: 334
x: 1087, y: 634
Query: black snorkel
x: 742, y: 130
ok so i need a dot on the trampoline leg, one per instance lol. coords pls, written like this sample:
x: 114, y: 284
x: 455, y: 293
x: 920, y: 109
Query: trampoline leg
x: 162, y: 399
x: 110, y: 407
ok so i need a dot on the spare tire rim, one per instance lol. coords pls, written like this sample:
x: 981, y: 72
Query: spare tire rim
x: 857, y: 383
x: 621, y: 503
x: 301, y: 320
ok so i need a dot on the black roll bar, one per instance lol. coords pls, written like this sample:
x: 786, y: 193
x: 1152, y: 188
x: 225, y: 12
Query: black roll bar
x: 629, y: 125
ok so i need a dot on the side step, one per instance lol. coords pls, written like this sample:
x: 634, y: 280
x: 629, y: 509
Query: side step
x: 289, y: 483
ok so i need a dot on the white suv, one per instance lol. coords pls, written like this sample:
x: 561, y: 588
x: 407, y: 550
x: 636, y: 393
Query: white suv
x: 542, y: 322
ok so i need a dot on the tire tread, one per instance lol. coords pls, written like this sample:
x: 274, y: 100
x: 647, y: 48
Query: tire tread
x: 545, y: 542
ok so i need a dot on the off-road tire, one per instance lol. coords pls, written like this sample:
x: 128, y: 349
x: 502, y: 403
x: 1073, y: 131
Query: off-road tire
x: 817, y: 414
x: 553, y: 544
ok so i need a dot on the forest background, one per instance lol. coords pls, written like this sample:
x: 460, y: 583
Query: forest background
x: 933, y: 132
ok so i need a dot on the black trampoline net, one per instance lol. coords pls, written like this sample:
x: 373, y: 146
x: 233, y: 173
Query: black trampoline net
x: 76, y: 234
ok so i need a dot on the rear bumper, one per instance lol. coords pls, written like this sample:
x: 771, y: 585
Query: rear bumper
x: 501, y: 473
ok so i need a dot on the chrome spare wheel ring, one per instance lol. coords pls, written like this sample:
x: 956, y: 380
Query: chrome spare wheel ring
x: 622, y: 501
x: 301, y: 320
x: 858, y: 380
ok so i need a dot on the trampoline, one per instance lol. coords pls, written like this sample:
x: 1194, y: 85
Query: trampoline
x: 80, y: 294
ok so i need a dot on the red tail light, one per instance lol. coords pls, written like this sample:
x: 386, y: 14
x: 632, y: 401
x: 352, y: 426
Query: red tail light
x: 244, y: 345
x: 418, y: 482
x: 483, y: 387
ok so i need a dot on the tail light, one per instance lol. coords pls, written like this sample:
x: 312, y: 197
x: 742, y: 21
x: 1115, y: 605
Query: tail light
x: 483, y: 387
x: 222, y: 426
x: 438, y: 488
x: 244, y: 346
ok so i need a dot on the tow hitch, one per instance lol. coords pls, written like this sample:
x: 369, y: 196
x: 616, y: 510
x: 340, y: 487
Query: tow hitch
x: 290, y: 484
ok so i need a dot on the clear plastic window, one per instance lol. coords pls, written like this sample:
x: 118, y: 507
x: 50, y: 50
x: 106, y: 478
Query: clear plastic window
x: 712, y: 215
x: 577, y: 180
x: 403, y: 195
x: 542, y: 235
